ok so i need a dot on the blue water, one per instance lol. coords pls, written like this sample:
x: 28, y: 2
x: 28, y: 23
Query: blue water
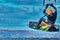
x: 16, y: 14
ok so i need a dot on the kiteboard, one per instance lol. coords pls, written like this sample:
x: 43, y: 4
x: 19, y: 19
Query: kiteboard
x: 33, y: 25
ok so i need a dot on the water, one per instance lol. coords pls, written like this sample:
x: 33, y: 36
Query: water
x: 16, y: 14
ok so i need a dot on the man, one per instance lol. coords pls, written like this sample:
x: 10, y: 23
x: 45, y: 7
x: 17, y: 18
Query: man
x: 50, y: 15
x: 51, y: 19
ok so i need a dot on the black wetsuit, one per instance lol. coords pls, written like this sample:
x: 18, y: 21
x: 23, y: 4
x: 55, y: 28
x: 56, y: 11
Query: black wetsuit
x: 53, y: 16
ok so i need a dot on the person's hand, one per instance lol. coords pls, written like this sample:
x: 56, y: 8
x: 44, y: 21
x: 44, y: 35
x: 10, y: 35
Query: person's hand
x: 51, y: 4
x: 47, y: 4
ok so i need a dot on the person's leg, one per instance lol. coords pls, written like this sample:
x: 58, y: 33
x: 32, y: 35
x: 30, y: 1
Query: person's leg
x: 42, y: 19
x: 52, y: 28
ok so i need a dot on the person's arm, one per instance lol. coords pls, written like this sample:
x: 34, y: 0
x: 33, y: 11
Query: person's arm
x: 53, y: 7
x: 45, y: 10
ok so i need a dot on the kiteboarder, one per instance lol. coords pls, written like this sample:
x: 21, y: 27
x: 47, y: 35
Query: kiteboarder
x: 50, y: 15
x: 49, y: 23
x: 51, y: 18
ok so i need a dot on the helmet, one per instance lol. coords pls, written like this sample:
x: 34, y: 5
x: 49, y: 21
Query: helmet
x: 49, y: 11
